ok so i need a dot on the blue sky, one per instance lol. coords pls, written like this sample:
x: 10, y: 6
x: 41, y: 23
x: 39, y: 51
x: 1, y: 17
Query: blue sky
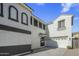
x: 48, y: 12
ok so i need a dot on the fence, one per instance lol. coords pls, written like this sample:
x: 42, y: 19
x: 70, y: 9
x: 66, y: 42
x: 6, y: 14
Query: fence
x: 75, y: 43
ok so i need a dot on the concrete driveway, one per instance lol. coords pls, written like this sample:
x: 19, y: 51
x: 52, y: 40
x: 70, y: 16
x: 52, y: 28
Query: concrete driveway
x: 57, y: 52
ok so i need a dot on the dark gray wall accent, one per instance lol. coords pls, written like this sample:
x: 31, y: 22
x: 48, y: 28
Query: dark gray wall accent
x: 1, y: 9
x: 12, y: 50
x: 8, y: 28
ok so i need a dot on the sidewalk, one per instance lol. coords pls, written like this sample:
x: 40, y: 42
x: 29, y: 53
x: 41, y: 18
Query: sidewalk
x: 51, y: 52
x: 57, y: 52
x: 45, y: 51
x: 42, y: 49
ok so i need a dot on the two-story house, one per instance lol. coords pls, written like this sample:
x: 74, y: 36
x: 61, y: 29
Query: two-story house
x: 60, y: 32
x: 19, y: 29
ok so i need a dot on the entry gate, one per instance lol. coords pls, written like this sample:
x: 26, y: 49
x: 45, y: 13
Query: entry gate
x: 75, y: 43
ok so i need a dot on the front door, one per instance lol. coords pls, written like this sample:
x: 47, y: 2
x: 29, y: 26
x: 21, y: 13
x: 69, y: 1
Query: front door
x: 42, y: 42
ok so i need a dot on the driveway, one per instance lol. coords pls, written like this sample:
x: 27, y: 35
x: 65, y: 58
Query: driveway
x: 57, y: 52
x: 72, y: 52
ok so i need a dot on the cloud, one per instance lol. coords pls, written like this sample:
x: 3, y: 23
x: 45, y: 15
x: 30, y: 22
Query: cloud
x: 66, y: 7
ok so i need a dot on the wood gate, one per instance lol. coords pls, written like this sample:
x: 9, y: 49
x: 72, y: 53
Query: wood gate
x: 75, y: 42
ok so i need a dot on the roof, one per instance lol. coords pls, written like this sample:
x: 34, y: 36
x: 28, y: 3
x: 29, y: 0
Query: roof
x: 59, y: 16
x: 76, y: 33
x: 39, y: 19
x: 66, y: 15
x: 25, y: 6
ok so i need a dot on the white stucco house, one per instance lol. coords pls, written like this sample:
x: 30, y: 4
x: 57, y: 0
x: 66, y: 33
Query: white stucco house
x: 20, y: 30
x: 60, y: 32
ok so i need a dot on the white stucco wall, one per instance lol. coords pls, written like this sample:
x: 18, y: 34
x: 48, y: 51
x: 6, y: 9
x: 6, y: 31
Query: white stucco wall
x: 8, y: 38
x: 35, y: 38
x: 62, y: 37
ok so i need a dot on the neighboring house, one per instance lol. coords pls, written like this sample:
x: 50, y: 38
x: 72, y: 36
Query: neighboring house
x: 19, y: 29
x: 76, y: 35
x: 75, y: 40
x: 60, y: 32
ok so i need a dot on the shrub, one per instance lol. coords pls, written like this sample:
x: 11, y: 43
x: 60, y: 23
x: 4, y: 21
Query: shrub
x: 69, y: 47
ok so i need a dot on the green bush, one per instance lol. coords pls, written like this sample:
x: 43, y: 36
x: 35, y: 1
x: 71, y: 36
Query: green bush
x: 69, y: 47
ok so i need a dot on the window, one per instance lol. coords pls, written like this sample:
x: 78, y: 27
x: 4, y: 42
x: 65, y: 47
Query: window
x: 31, y: 20
x: 24, y: 18
x: 35, y: 22
x: 43, y: 26
x: 72, y: 20
x: 61, y: 25
x: 13, y: 13
x: 40, y: 25
x: 1, y: 9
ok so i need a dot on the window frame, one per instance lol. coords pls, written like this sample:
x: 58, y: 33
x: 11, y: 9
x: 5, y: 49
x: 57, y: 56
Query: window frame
x: 9, y: 15
x: 40, y: 25
x: 31, y: 20
x: 72, y: 20
x: 60, y: 26
x: 35, y: 24
x: 23, y: 13
x: 44, y: 27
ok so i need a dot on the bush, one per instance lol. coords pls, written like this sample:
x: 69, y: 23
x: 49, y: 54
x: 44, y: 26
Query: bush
x: 69, y: 47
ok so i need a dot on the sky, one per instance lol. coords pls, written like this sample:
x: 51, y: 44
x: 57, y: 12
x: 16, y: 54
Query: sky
x: 48, y: 12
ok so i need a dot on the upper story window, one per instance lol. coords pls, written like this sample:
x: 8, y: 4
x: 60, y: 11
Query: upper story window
x: 61, y: 25
x: 13, y: 13
x: 43, y: 26
x: 35, y: 22
x: 40, y: 25
x: 31, y: 19
x: 24, y: 18
x: 1, y: 9
x: 72, y: 21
